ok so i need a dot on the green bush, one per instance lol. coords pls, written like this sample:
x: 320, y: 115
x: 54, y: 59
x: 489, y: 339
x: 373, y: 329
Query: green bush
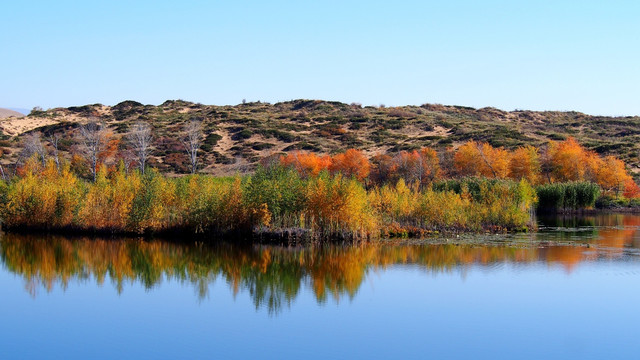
x: 567, y: 196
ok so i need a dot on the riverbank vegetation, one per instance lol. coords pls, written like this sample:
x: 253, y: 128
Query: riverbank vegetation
x: 272, y: 200
x: 305, y: 196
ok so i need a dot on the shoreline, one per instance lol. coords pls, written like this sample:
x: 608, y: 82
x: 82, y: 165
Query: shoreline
x: 261, y: 236
x: 298, y: 236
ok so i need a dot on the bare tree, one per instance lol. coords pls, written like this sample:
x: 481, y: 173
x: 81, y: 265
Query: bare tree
x: 128, y: 157
x: 140, y: 139
x: 93, y: 139
x: 192, y: 141
x: 53, y: 140
x: 33, y: 145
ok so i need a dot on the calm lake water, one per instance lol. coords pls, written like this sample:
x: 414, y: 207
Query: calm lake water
x: 572, y: 290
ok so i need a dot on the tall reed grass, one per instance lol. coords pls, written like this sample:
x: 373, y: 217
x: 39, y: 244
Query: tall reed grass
x: 567, y: 196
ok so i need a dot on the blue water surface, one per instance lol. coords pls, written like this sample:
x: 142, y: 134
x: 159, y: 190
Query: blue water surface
x: 565, y: 292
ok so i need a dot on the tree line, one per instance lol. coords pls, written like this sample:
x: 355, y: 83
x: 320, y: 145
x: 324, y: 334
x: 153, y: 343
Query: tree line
x: 557, y: 161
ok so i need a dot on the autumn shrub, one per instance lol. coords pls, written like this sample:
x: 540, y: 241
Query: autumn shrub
x: 327, y: 206
x: 282, y: 190
x: 495, y: 202
x: 338, y: 206
x: 467, y: 204
x: 42, y: 198
x: 441, y: 210
x: 394, y: 203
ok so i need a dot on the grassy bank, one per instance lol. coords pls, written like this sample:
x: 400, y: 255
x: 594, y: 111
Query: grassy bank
x: 274, y: 203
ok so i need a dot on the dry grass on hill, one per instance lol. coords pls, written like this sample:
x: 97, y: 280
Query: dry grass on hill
x: 236, y: 137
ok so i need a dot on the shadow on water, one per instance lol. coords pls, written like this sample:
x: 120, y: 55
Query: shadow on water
x: 274, y: 276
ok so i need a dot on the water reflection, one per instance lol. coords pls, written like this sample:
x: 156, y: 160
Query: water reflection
x: 274, y: 276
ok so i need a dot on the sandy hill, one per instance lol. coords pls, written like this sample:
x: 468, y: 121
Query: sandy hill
x: 236, y: 137
x: 5, y: 113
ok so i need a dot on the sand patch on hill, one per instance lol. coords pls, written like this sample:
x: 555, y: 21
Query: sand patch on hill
x: 16, y: 126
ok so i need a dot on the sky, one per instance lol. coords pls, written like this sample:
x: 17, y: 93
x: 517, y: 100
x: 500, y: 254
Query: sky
x: 537, y: 55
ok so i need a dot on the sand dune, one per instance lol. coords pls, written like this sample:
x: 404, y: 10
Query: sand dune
x: 5, y: 113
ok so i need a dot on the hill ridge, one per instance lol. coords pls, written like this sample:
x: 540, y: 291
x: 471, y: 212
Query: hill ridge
x: 237, y: 136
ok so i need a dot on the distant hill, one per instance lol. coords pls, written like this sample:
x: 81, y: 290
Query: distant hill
x: 20, y: 110
x: 236, y: 137
x: 5, y: 113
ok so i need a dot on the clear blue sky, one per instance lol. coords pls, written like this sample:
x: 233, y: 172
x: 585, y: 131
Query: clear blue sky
x: 540, y: 55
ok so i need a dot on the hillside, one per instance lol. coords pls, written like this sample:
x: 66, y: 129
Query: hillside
x: 238, y: 136
x: 5, y: 113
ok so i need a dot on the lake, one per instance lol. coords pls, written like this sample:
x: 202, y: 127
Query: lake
x: 570, y: 290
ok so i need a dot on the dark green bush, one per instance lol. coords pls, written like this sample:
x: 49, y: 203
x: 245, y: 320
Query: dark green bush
x: 567, y: 196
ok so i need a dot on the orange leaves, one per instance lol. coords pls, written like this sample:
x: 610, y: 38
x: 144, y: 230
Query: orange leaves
x: 335, y: 204
x: 110, y: 149
x: 631, y: 189
x: 383, y: 169
x: 568, y: 160
x: 307, y: 164
x: 417, y: 167
x: 351, y: 163
x: 430, y: 163
x: 421, y: 167
x: 525, y: 164
x: 559, y: 162
x: 611, y: 174
x: 481, y: 159
x: 563, y: 161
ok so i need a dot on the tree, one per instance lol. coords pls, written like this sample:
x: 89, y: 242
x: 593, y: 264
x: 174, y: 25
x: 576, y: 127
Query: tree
x: 192, y: 141
x: 495, y: 160
x: 33, y: 146
x: 383, y: 169
x: 567, y: 160
x: 429, y: 165
x: 94, y: 140
x: 465, y: 160
x: 417, y: 167
x: 631, y: 189
x: 307, y: 164
x: 54, y: 139
x: 612, y: 175
x: 525, y: 164
x: 481, y: 159
x: 140, y: 139
x: 351, y: 163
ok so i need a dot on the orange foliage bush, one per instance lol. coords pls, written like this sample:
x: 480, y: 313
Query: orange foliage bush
x: 307, y: 164
x: 631, y: 189
x: 481, y: 159
x: 525, y: 164
x: 351, y: 163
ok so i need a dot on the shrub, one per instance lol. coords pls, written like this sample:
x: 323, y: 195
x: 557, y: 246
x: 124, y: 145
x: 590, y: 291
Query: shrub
x: 567, y: 196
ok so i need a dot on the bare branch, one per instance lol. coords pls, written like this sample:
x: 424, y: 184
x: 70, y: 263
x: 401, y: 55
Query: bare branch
x: 485, y: 160
x: 140, y: 140
x: 192, y: 141
x: 53, y: 140
x: 33, y: 145
x: 93, y: 140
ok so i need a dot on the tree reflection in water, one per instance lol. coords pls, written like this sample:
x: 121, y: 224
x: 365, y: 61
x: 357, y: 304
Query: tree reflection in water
x: 274, y: 276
